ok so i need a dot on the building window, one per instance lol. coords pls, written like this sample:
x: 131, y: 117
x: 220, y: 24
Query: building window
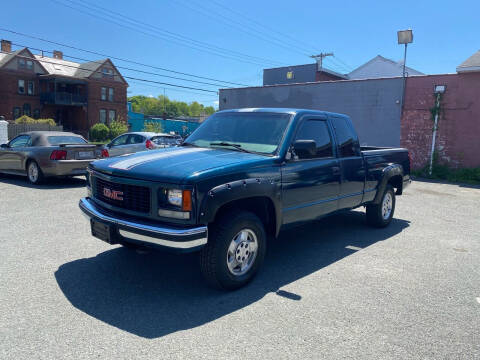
x: 110, y: 94
x: 21, y: 86
x: 103, y: 116
x: 21, y: 63
x: 27, y: 110
x: 31, y: 88
x: 29, y: 64
x: 111, y: 116
x: 16, y: 113
x: 104, y: 93
x: 107, y: 72
x: 36, y: 113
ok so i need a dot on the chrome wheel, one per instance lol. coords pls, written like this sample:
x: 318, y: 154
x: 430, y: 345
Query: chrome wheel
x: 387, y: 205
x: 242, y: 252
x: 33, y: 172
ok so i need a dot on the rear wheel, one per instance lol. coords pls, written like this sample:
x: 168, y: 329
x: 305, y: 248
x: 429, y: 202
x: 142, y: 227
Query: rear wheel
x: 235, y: 250
x: 34, y: 173
x: 380, y: 215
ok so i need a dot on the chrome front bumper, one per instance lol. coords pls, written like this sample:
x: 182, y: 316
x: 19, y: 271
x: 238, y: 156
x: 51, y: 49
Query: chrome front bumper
x: 143, y: 233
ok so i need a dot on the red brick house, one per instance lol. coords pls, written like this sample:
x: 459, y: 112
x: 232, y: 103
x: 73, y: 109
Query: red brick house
x: 76, y: 95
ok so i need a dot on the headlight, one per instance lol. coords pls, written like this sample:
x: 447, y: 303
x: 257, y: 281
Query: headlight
x: 175, y: 197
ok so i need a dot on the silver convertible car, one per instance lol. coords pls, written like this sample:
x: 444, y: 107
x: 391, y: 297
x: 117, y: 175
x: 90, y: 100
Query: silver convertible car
x: 40, y: 154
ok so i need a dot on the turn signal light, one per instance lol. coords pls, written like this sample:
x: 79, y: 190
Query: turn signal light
x: 105, y: 153
x: 58, y: 155
x: 187, y: 200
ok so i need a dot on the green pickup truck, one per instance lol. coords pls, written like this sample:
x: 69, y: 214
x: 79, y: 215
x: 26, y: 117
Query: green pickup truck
x: 238, y: 180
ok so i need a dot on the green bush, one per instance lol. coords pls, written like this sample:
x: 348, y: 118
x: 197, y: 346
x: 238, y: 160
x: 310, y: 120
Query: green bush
x: 99, y: 132
x: 117, y: 128
x: 152, y: 126
x: 24, y: 119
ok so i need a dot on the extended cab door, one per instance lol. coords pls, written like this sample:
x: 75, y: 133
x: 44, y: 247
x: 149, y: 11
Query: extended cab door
x: 351, y: 162
x: 311, y: 183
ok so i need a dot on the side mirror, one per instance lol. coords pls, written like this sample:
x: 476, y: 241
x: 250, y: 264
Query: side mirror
x: 109, y: 145
x: 4, y: 146
x: 305, y: 149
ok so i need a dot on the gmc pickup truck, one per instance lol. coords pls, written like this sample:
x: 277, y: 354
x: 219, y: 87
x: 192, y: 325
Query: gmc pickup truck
x: 240, y: 178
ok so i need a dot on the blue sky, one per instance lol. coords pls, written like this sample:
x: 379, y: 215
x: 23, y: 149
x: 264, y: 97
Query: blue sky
x: 265, y: 33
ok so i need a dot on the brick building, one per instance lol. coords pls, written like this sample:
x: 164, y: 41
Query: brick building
x: 75, y: 95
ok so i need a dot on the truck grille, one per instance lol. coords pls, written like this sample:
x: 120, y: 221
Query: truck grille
x: 130, y: 197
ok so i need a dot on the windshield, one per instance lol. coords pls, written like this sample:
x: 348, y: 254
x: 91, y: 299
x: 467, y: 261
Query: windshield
x: 256, y: 132
x: 65, y: 139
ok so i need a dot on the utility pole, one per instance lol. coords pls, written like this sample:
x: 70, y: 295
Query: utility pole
x: 320, y: 58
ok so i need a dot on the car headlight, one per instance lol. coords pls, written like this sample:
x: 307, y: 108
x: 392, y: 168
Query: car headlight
x: 180, y: 198
x: 175, y: 197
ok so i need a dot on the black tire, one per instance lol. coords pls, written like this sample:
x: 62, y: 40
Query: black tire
x: 213, y: 257
x: 39, y: 178
x: 375, y: 214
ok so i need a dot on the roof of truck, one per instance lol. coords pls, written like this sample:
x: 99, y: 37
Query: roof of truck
x: 291, y: 111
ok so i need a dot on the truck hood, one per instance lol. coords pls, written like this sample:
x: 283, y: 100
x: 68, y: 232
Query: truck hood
x: 176, y: 164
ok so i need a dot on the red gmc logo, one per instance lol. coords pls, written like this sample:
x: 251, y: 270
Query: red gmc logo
x: 113, y: 194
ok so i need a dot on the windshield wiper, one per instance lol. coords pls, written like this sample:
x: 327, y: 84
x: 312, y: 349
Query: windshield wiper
x: 188, y: 144
x: 236, y: 146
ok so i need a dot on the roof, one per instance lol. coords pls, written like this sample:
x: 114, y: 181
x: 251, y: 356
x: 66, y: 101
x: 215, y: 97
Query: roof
x: 290, y: 111
x: 471, y: 64
x: 60, y: 67
x: 63, y: 67
x: 371, y: 69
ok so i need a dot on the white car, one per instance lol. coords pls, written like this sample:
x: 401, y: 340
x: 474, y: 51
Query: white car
x: 133, y: 142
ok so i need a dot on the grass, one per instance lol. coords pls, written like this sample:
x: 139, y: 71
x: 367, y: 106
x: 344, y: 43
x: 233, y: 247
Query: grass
x: 443, y: 172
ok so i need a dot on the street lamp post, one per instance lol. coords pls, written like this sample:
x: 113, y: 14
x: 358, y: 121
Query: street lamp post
x: 404, y: 37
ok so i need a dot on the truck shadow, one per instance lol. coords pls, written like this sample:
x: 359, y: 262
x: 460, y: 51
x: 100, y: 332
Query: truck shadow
x: 155, y: 294
x: 48, y: 184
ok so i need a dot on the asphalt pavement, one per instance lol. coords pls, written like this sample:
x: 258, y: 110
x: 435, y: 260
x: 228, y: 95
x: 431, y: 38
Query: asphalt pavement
x: 329, y: 290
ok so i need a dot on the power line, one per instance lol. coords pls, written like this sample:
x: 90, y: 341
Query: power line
x: 167, y: 35
x: 126, y: 77
x: 117, y: 58
x: 243, y: 16
x: 121, y: 67
x: 242, y: 27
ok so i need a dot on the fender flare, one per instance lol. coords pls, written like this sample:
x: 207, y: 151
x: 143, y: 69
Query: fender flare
x: 223, y: 194
x: 387, y: 173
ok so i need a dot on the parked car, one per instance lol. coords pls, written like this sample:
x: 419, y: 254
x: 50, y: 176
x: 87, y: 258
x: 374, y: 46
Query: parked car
x: 139, y: 141
x: 242, y: 176
x: 40, y: 154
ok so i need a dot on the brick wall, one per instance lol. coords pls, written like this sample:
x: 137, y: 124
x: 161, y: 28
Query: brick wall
x: 458, y: 135
x: 9, y: 96
x: 95, y: 102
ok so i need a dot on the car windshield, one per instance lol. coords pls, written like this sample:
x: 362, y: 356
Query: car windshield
x: 65, y: 139
x: 255, y: 132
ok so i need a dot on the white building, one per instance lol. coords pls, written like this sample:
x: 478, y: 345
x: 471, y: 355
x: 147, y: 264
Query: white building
x: 380, y: 67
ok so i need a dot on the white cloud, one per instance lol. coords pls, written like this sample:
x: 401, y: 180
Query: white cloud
x: 216, y: 102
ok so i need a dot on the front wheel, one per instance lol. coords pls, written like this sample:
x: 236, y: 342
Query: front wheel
x: 34, y: 173
x: 380, y: 215
x: 235, y: 250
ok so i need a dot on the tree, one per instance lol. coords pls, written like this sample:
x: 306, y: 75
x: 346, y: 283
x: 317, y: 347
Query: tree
x: 155, y: 106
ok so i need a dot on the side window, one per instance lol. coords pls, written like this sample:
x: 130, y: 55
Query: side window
x: 347, y: 143
x: 135, y: 139
x: 121, y: 140
x: 21, y: 141
x: 317, y: 130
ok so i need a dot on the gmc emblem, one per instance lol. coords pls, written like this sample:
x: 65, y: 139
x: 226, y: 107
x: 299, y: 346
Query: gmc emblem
x: 113, y: 194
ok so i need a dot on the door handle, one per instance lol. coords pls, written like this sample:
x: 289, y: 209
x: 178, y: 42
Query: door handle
x: 336, y: 170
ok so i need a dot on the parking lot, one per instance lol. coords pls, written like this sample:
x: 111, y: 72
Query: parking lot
x: 333, y: 289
